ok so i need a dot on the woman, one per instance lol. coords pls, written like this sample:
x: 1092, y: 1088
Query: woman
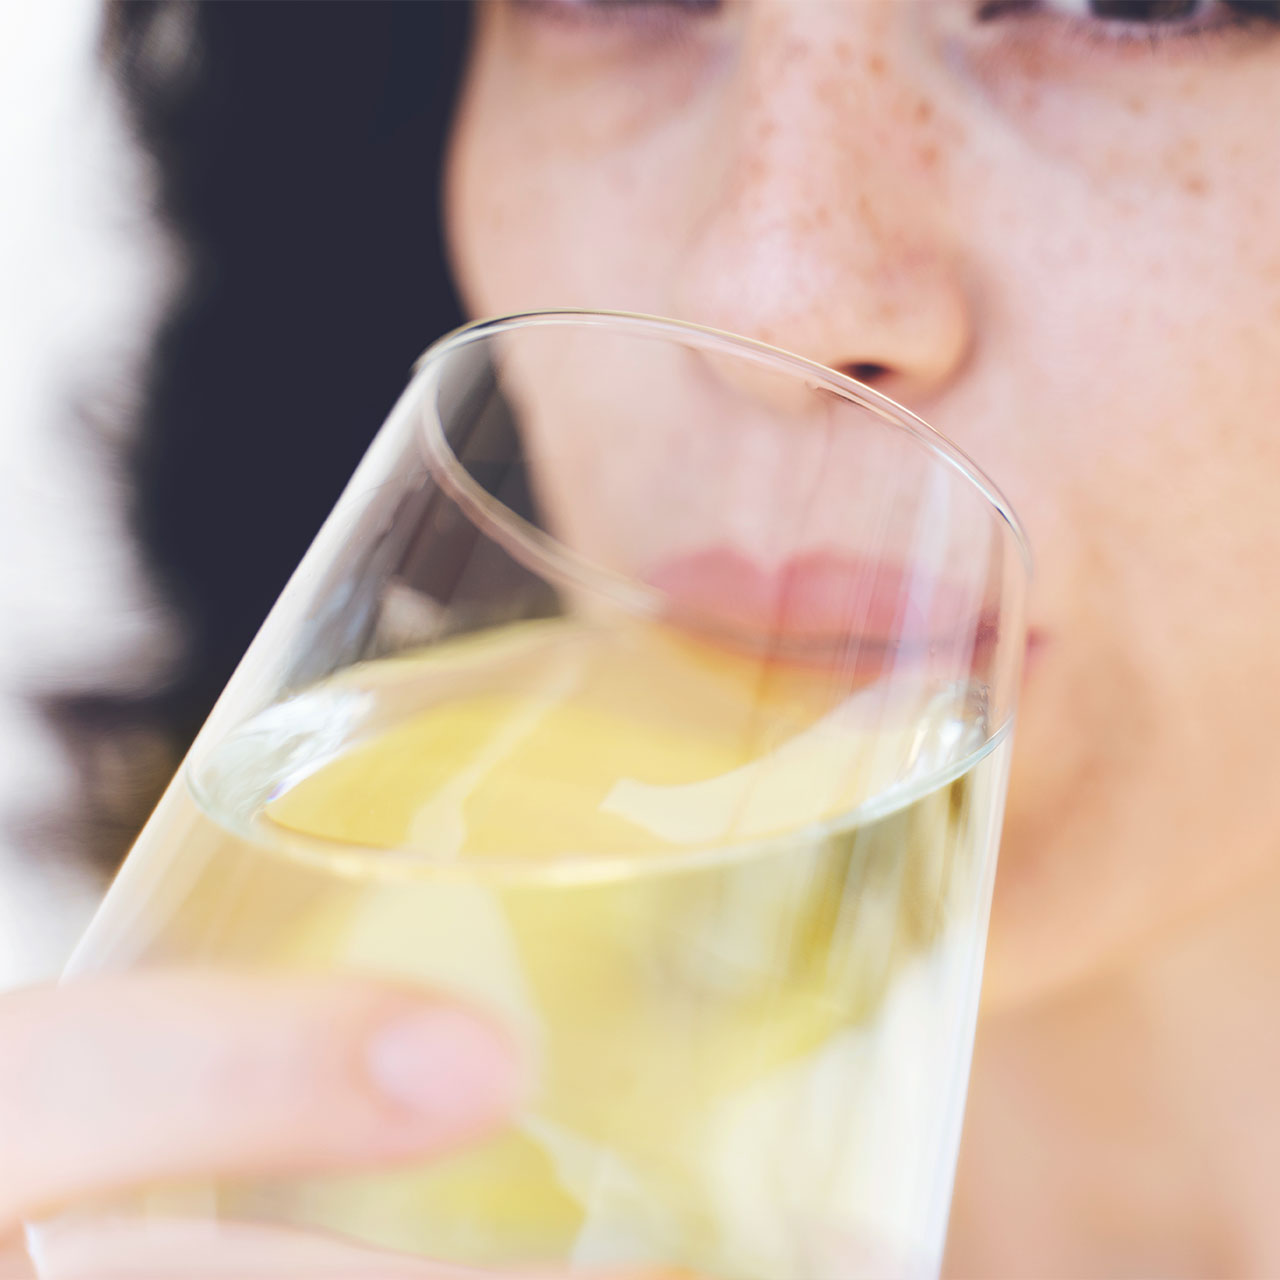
x: 1048, y: 227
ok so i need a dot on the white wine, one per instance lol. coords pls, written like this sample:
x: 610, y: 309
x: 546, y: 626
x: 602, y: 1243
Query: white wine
x: 737, y: 919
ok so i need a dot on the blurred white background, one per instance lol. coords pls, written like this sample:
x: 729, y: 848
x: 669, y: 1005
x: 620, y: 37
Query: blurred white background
x: 84, y: 275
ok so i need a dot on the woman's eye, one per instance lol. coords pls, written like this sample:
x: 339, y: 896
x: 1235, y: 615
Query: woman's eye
x: 1141, y: 19
x: 611, y: 11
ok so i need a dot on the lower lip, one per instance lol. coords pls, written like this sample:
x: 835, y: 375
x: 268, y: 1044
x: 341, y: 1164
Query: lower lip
x: 1037, y: 642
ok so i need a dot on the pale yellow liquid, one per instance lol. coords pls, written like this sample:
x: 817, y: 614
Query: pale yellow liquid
x: 735, y: 914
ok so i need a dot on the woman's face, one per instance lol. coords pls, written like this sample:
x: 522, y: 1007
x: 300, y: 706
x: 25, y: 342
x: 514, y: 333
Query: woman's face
x: 1050, y: 227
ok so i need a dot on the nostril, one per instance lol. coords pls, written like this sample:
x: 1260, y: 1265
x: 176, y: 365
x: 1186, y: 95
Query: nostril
x: 866, y: 371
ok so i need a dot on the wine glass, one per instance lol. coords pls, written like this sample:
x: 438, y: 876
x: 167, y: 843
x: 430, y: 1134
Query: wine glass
x: 652, y: 690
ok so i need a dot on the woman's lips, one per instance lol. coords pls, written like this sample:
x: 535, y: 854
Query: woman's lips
x: 1037, y: 643
x: 822, y: 603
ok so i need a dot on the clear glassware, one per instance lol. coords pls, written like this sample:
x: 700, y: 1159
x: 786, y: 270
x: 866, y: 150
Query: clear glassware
x: 652, y: 689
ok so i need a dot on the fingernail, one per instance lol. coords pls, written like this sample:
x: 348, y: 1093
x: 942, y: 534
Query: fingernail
x: 446, y: 1064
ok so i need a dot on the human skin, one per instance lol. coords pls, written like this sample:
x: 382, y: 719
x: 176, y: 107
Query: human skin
x: 1052, y: 234
x: 116, y: 1081
x: 1055, y: 239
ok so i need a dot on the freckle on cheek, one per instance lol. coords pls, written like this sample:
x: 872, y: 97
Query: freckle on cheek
x: 924, y: 111
x: 1181, y: 167
x: 875, y: 65
x: 795, y: 51
x: 867, y: 218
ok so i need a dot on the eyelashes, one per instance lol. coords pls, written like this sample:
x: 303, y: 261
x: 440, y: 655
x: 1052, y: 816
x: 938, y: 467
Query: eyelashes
x: 1145, y: 12
x: 1134, y: 23
x: 614, y: 29
x: 1145, y: 21
x: 602, y: 12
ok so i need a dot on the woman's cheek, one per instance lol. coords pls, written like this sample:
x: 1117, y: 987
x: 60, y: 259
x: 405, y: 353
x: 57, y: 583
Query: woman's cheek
x: 1132, y: 116
x: 539, y: 178
x: 534, y: 223
x: 522, y: 239
x: 574, y: 160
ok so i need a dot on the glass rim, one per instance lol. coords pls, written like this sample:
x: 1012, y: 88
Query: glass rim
x: 524, y: 539
x: 580, y: 868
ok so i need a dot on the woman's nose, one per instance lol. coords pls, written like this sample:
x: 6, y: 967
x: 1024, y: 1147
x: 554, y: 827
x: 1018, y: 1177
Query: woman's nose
x: 823, y: 227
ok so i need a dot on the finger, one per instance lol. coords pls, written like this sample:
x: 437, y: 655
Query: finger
x: 14, y: 1264
x: 151, y: 1249
x: 120, y: 1081
x: 160, y: 1250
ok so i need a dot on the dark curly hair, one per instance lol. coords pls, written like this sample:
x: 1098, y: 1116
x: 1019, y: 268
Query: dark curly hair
x: 298, y: 146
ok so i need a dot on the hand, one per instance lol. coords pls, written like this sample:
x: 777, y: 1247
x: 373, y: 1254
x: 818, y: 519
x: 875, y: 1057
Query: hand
x: 121, y: 1081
